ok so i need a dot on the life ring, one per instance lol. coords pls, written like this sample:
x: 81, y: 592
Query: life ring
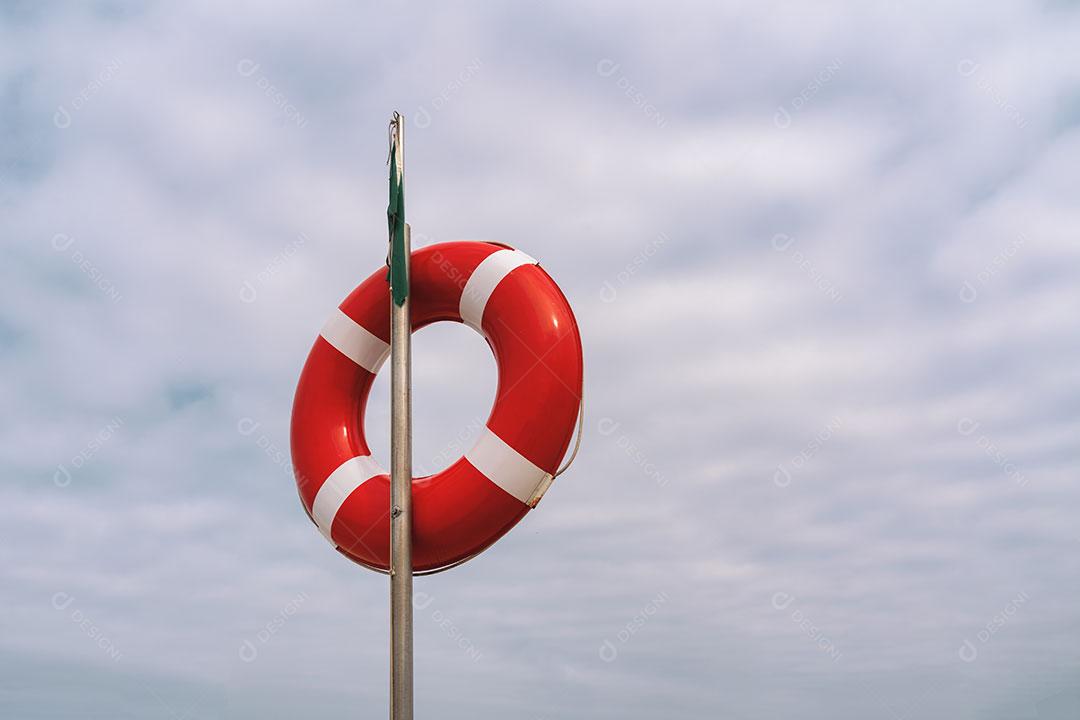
x: 459, y: 512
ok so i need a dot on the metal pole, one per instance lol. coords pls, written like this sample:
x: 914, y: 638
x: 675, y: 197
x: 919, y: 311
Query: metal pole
x: 401, y: 609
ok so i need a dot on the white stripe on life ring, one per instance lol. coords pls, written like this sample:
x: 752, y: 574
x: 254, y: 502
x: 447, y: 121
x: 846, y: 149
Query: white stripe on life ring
x: 483, y: 281
x: 505, y: 466
x: 349, y: 475
x: 355, y: 342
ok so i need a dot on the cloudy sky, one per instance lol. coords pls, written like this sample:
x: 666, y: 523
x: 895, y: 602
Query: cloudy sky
x: 825, y: 261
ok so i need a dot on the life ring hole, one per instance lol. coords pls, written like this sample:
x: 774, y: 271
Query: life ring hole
x: 454, y: 379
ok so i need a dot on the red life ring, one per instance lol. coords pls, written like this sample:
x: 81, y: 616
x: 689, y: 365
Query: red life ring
x: 457, y: 513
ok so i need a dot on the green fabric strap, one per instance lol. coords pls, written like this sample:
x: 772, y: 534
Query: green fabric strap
x: 398, y: 274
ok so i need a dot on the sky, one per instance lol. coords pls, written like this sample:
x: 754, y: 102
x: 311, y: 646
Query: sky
x: 824, y: 258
